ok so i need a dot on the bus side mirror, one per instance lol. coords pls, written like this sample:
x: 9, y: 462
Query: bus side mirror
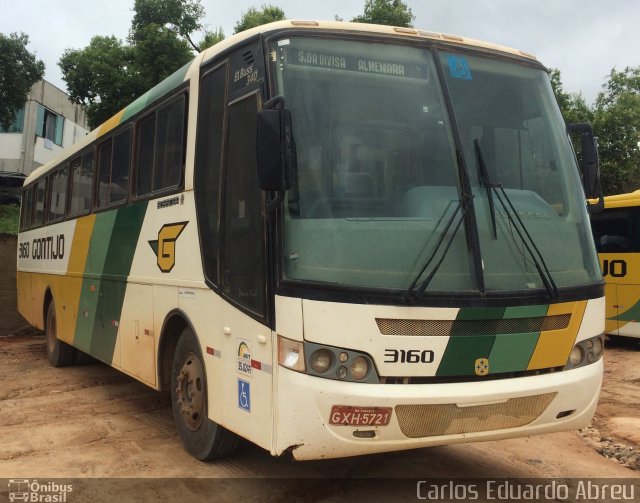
x: 275, y: 150
x: 589, y: 169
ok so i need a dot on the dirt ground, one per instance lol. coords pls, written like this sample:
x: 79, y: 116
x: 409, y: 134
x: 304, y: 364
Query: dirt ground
x: 93, y: 421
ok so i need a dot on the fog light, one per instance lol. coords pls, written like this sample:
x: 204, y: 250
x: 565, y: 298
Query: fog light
x: 341, y: 372
x: 291, y: 354
x: 576, y: 356
x: 359, y: 368
x: 320, y: 361
x: 343, y: 357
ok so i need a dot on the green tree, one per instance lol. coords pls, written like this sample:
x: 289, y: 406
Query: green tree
x: 102, y: 77
x: 184, y: 15
x: 388, y: 12
x: 211, y: 38
x: 572, y: 105
x: 109, y: 74
x: 253, y: 17
x: 617, y: 125
x: 19, y: 70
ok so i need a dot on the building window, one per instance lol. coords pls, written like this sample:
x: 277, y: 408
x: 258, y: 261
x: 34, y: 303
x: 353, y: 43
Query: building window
x: 17, y: 125
x: 49, y: 125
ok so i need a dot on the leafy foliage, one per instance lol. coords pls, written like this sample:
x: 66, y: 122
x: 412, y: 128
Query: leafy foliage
x: 109, y: 74
x: 102, y: 77
x: 616, y: 122
x: 9, y: 217
x: 388, y: 12
x: 617, y: 125
x: 211, y: 38
x: 19, y: 70
x: 185, y: 15
x: 253, y: 17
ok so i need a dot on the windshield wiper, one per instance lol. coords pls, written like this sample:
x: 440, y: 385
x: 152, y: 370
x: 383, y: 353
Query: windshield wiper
x: 412, y: 293
x: 515, y: 220
x: 465, y: 208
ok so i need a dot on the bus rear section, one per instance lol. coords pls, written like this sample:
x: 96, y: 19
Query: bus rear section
x: 618, y: 244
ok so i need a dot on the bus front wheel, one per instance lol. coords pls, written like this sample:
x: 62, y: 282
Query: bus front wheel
x: 202, y: 437
x: 59, y: 353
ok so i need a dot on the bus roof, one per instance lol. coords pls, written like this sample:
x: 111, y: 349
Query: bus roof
x: 191, y: 68
x: 623, y: 200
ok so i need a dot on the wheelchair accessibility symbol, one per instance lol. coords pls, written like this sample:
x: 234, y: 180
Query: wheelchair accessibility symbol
x: 244, y: 395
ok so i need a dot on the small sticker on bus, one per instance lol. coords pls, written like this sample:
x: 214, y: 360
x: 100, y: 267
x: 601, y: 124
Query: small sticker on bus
x: 244, y: 395
x: 459, y: 67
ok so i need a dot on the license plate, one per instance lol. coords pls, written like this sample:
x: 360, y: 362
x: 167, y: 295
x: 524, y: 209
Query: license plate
x: 347, y: 415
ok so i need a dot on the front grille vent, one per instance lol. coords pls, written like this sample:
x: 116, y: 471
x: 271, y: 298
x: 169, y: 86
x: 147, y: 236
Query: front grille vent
x: 431, y: 328
x: 417, y: 421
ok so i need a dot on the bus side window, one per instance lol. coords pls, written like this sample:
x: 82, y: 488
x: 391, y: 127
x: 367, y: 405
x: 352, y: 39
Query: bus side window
x: 26, y: 213
x: 244, y: 246
x: 81, y: 184
x: 160, y: 149
x: 58, y: 194
x: 40, y: 200
x: 167, y: 172
x: 211, y: 109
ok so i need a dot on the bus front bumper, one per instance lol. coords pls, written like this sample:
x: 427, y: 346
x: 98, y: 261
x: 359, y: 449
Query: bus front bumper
x: 425, y: 415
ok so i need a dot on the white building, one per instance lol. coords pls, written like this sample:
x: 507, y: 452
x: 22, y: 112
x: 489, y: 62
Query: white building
x: 48, y: 123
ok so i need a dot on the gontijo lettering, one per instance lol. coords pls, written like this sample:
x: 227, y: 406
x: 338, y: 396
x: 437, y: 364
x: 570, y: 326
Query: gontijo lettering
x: 47, y: 248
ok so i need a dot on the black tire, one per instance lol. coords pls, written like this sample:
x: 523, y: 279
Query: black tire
x: 59, y: 353
x: 621, y: 340
x: 202, y: 438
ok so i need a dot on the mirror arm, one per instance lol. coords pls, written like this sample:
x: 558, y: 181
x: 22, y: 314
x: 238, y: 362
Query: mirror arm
x: 275, y: 103
x: 276, y: 201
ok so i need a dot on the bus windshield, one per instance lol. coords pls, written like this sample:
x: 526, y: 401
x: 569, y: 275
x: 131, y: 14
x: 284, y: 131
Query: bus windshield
x: 380, y: 186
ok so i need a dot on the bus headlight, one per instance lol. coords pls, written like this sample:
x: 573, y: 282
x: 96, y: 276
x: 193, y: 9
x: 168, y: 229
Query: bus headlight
x: 359, y: 368
x: 320, y: 360
x: 586, y: 352
x: 340, y: 364
x: 575, y: 358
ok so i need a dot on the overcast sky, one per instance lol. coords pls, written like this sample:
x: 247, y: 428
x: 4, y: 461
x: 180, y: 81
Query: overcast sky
x: 583, y: 38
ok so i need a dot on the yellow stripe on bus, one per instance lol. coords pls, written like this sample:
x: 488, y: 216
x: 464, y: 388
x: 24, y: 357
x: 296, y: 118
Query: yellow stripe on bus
x: 111, y: 123
x: 75, y: 271
x: 554, y: 346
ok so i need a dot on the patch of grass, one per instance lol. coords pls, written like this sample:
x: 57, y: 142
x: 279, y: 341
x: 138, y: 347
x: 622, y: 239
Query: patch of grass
x: 9, y: 217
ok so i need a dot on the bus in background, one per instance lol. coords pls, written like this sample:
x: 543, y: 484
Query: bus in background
x: 330, y: 239
x: 616, y: 231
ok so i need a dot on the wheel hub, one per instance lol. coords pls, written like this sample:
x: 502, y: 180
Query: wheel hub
x: 190, y: 392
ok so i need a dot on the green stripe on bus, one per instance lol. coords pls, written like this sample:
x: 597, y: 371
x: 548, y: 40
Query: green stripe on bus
x: 512, y: 352
x: 164, y: 87
x: 506, y: 352
x: 117, y: 266
x: 462, y: 352
x: 526, y: 311
x: 96, y: 256
x: 631, y: 314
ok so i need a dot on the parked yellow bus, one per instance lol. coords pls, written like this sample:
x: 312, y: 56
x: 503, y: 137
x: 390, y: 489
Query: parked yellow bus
x: 330, y: 239
x: 617, y: 234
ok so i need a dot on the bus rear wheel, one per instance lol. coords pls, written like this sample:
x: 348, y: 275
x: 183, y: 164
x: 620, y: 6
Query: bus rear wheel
x: 59, y: 353
x: 202, y: 437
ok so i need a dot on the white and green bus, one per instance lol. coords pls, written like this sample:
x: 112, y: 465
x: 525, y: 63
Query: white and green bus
x: 330, y: 239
